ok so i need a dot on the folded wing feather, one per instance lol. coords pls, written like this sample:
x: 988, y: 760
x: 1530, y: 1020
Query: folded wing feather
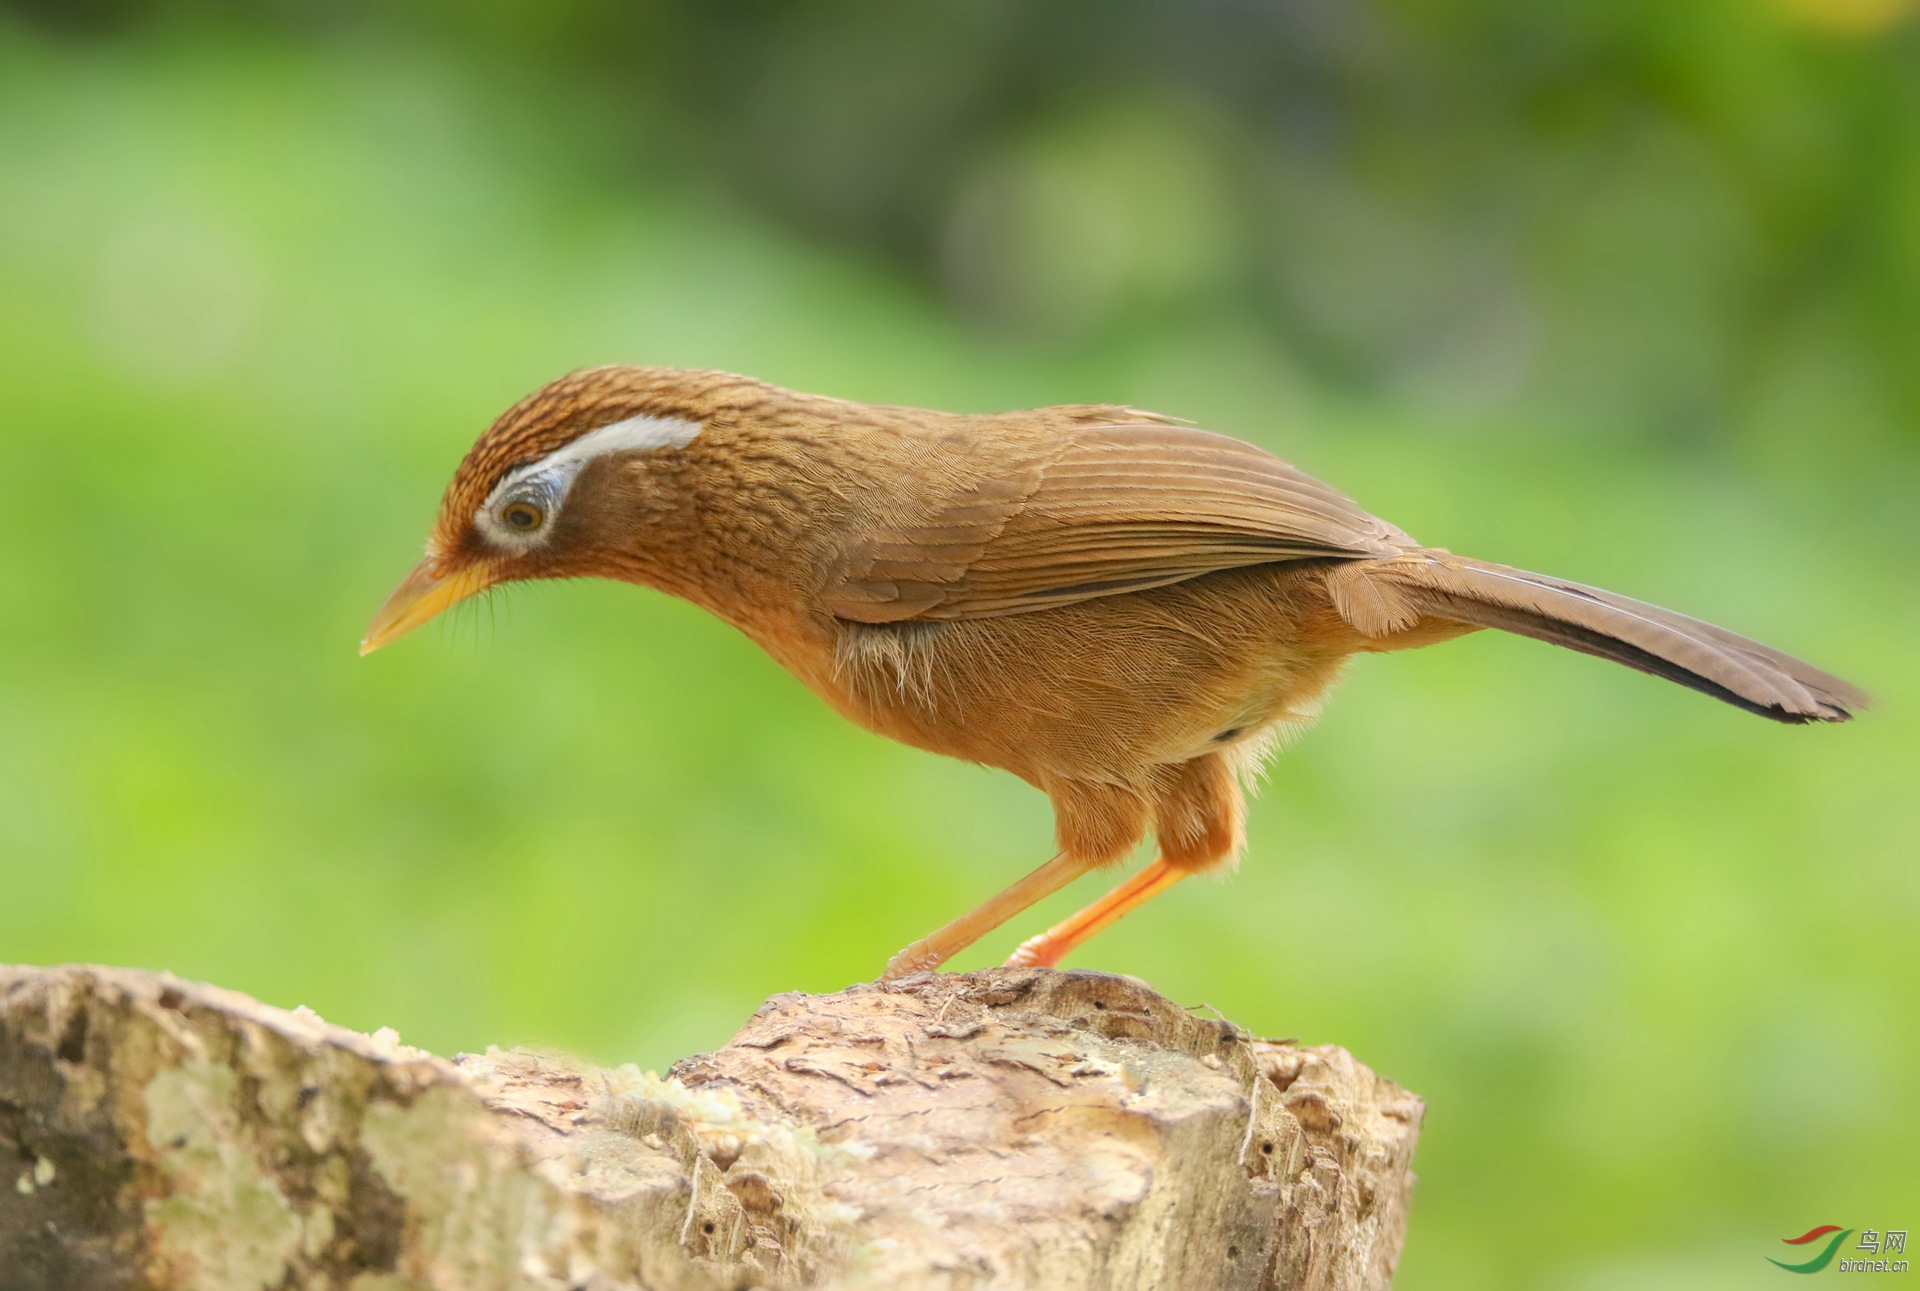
x: 1107, y: 509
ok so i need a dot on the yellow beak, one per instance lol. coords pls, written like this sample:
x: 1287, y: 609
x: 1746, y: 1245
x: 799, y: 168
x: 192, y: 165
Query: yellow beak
x: 421, y: 595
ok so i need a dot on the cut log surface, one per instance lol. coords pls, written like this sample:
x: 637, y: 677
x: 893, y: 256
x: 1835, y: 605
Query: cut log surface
x: 1005, y: 1128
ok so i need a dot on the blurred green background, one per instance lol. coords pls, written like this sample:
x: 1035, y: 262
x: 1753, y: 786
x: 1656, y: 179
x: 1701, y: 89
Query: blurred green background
x: 1629, y: 293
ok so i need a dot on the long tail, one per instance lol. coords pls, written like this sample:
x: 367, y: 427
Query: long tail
x: 1383, y: 597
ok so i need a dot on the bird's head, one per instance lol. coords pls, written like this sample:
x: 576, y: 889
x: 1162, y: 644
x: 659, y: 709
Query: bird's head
x: 531, y: 499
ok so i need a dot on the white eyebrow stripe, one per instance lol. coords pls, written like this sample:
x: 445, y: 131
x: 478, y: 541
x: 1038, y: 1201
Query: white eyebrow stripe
x: 556, y: 471
x: 637, y: 432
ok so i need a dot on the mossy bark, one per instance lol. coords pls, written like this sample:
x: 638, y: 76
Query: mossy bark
x: 1007, y: 1128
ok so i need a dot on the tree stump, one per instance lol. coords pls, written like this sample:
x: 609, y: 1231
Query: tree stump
x: 1005, y: 1128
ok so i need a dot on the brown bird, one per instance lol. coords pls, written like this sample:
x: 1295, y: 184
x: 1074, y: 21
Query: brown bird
x: 1122, y: 610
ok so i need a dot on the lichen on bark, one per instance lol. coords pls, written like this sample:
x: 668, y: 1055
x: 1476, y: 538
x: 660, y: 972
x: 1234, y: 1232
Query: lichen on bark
x: 1014, y: 1127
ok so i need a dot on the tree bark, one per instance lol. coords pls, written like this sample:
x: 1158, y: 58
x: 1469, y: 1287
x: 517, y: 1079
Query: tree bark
x: 1006, y: 1128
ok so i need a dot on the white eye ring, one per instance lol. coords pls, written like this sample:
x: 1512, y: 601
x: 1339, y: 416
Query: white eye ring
x: 521, y: 517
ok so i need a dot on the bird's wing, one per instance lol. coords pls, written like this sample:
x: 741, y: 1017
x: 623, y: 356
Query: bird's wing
x: 1104, y: 510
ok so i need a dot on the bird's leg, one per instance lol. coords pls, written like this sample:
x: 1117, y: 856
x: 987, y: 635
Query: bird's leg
x: 944, y: 943
x: 1051, y: 946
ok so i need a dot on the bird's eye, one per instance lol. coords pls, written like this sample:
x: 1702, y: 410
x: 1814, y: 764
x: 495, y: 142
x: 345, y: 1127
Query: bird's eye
x: 522, y: 516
